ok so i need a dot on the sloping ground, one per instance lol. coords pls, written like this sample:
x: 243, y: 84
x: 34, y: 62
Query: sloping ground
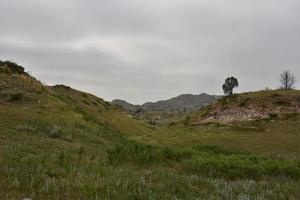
x: 59, y: 143
x: 249, y: 106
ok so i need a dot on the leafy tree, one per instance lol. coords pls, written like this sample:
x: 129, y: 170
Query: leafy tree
x: 287, y: 80
x: 230, y: 83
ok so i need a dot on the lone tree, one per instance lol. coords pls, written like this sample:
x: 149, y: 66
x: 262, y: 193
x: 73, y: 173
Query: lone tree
x: 230, y: 83
x: 287, y: 80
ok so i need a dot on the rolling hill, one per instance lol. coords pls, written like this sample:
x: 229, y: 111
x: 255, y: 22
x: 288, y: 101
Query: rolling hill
x: 167, y: 110
x: 250, y: 106
x: 60, y: 143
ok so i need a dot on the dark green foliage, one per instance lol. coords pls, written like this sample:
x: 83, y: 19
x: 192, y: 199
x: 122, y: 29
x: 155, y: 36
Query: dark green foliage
x: 282, y: 102
x: 53, y: 131
x: 141, y: 154
x: 63, y: 87
x: 230, y: 83
x: 242, y: 166
x: 133, y: 152
x: 16, y: 96
x: 187, y: 120
x: 273, y: 115
x: 244, y: 102
x: 86, y: 102
x: 214, y: 161
x: 84, y: 95
x: 214, y: 149
x: 11, y: 67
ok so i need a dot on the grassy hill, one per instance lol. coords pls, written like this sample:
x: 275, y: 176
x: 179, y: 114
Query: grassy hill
x: 60, y: 143
x: 249, y: 106
x: 266, y: 122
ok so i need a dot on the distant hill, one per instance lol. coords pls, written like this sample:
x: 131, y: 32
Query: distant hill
x: 169, y: 109
x: 249, y: 106
x: 166, y: 110
x: 184, y: 102
x: 125, y: 105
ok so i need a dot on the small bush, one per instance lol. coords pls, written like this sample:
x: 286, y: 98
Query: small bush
x: 16, y: 96
x: 86, y: 102
x: 273, y: 115
x: 11, y: 67
x: 282, y: 102
x: 132, y: 152
x: 84, y: 95
x: 244, y: 103
x: 53, y: 131
x: 187, y: 120
x: 214, y: 149
x: 276, y: 95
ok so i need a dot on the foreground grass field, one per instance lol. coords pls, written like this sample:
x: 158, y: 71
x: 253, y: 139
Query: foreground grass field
x: 275, y: 136
x: 59, y: 143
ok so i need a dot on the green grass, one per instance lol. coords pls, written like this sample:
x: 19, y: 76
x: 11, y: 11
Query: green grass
x: 59, y: 143
x: 205, y: 161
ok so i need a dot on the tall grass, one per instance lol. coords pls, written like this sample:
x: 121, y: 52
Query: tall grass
x: 213, y: 161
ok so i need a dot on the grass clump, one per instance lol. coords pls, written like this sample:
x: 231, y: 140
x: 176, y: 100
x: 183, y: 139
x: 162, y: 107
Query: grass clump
x: 141, y: 154
x: 9, y: 67
x: 16, y: 96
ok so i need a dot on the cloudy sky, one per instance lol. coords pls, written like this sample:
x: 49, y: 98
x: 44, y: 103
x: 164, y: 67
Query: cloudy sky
x: 142, y: 50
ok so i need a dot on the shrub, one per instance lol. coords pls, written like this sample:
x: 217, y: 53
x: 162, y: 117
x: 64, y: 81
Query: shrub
x: 86, y: 102
x: 133, y: 152
x: 273, y: 115
x: 12, y: 67
x: 244, y: 102
x: 187, y: 120
x: 53, y: 131
x: 84, y: 95
x: 282, y: 102
x: 16, y: 96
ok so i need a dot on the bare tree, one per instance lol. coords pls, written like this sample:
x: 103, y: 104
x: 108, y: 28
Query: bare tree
x: 287, y: 80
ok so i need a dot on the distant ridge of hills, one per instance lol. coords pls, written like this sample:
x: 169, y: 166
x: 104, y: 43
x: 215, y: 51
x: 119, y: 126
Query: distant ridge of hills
x: 184, y: 102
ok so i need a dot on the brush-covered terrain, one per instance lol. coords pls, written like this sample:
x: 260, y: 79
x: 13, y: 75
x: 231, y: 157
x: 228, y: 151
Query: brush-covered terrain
x: 60, y: 143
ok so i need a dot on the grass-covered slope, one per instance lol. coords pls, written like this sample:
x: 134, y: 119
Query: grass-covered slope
x: 249, y: 106
x: 59, y: 143
x: 265, y: 122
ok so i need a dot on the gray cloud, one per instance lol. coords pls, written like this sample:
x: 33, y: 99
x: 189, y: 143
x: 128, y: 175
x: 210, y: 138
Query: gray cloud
x: 150, y: 50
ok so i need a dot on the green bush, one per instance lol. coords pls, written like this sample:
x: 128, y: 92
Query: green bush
x: 133, y: 152
x: 273, y: 115
x: 16, y: 96
x: 12, y: 67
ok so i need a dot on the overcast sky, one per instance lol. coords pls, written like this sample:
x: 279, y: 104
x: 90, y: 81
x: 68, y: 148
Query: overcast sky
x: 141, y: 50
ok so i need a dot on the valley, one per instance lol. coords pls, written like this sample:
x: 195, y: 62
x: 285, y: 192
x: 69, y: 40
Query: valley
x: 60, y: 143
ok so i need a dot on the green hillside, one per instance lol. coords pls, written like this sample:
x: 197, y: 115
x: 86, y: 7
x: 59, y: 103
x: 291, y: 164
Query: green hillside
x: 265, y: 122
x: 60, y: 143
